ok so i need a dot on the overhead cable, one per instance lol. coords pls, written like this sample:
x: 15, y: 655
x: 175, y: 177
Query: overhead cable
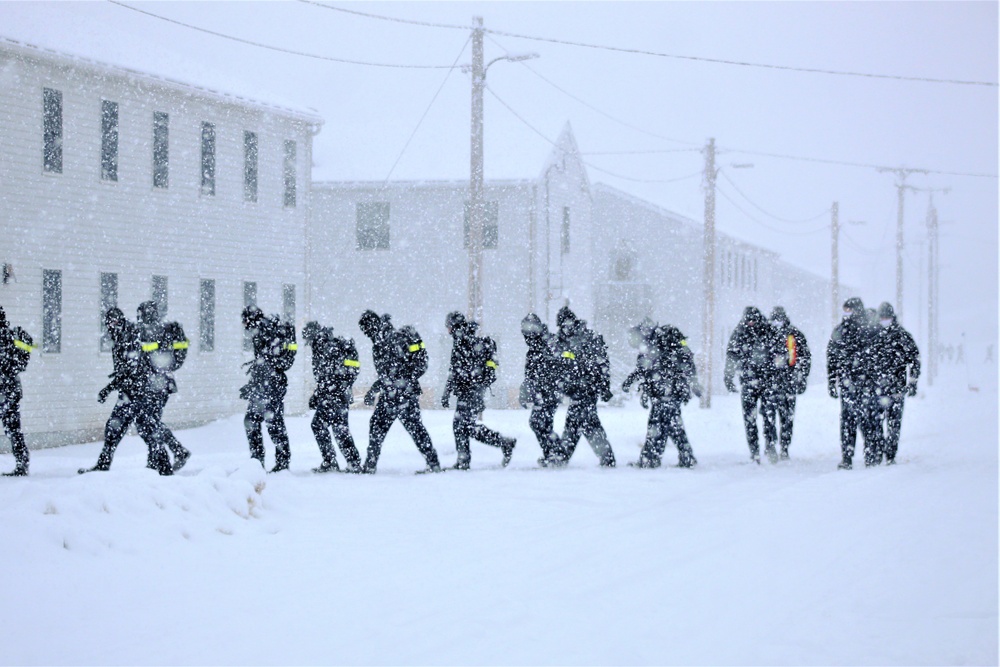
x: 763, y: 224
x: 768, y: 214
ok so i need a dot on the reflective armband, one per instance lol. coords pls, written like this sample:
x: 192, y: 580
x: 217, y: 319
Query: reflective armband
x: 492, y: 364
x: 149, y: 347
x: 417, y: 346
x: 684, y: 341
x: 291, y: 346
x: 21, y: 345
x: 568, y: 355
x: 180, y: 345
x: 353, y: 363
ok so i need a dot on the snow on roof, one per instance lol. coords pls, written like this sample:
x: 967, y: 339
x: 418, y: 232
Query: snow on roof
x: 23, y: 49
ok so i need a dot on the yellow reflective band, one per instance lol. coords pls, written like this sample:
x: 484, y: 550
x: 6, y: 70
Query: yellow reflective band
x: 149, y: 347
x: 181, y: 345
x: 21, y: 345
x: 353, y: 363
x: 568, y: 355
x: 684, y: 341
x: 492, y: 364
x: 417, y: 346
x: 291, y: 346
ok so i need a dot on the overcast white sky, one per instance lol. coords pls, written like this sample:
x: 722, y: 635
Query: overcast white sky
x: 634, y: 102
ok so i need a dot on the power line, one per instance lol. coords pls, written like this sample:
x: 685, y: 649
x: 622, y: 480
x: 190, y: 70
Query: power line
x: 592, y: 166
x: 761, y: 222
x: 771, y: 215
x: 275, y: 48
x: 659, y: 54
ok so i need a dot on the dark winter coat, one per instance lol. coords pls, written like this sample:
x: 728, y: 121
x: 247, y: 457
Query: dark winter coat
x: 334, y: 365
x: 9, y: 382
x: 667, y: 370
x: 895, y: 352
x: 541, y: 370
x: 467, y: 368
x: 585, y: 370
x: 751, y: 351
x: 267, y: 381
x: 793, y: 360
x: 389, y: 350
x: 850, y: 354
x: 131, y: 368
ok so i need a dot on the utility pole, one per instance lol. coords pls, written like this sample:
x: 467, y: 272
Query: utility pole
x: 476, y: 186
x: 708, y: 317
x: 933, y: 266
x: 835, y: 261
x: 901, y: 173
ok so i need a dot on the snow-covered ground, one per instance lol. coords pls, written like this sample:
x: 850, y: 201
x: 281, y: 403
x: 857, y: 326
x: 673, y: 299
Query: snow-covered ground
x: 729, y: 563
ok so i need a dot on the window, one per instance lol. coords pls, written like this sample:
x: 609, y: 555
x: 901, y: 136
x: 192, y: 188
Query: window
x: 109, y: 141
x: 754, y: 274
x: 491, y: 233
x: 52, y: 131
x: 623, y: 267
x: 564, y: 237
x: 249, y: 299
x: 288, y: 302
x: 161, y: 155
x: 109, y: 300
x: 373, y: 225
x: 208, y: 158
x: 206, y: 316
x: 250, y: 166
x: 51, y: 310
x: 290, y: 174
x: 159, y: 294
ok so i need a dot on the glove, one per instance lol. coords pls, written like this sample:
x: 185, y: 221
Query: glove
x: 606, y: 395
x: 833, y: 389
x: 312, y: 402
x: 644, y: 399
x: 445, y: 400
x: 370, y: 397
x: 696, y: 388
x: 102, y: 395
x: 730, y: 385
x: 627, y: 384
x: 911, y: 388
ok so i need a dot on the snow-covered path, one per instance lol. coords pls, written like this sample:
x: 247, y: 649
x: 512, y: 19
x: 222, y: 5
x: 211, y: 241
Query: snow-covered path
x: 729, y: 563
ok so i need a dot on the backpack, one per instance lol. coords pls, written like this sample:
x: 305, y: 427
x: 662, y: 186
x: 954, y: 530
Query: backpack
x: 345, y: 360
x: 176, y: 344
x: 485, y: 361
x: 283, y: 346
x: 413, y: 363
x: 21, y: 354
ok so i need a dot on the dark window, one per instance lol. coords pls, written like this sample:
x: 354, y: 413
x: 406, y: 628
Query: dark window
x: 161, y: 153
x: 207, y: 159
x: 250, y: 166
x: 249, y: 299
x: 109, y: 140
x: 564, y: 237
x: 288, y: 302
x: 109, y: 299
x: 52, y: 130
x: 159, y: 294
x: 51, y: 310
x: 373, y: 225
x: 206, y: 316
x: 491, y: 230
x: 290, y: 164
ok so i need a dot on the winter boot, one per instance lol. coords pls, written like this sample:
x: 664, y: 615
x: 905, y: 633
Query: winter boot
x: 771, y: 453
x: 845, y: 464
x: 507, y: 447
x: 784, y: 454
x: 20, y: 470
x: 180, y: 458
x: 328, y: 465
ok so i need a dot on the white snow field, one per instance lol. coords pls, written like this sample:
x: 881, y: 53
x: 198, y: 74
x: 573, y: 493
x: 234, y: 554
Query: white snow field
x: 729, y: 563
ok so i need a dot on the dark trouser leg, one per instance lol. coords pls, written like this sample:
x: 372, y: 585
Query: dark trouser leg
x: 871, y: 427
x: 149, y: 410
x: 409, y: 416
x: 275, y: 419
x: 170, y: 440
x: 769, y: 406
x: 342, y: 432
x: 320, y: 429
x: 786, y: 416
x: 378, y: 428
x: 894, y: 422
x: 849, y: 411
x: 12, y: 425
x: 461, y: 426
x: 571, y: 431
x: 750, y: 396
x: 597, y: 437
x: 675, y: 430
x: 541, y: 421
x: 652, y: 450
x: 252, y: 422
x: 122, y: 416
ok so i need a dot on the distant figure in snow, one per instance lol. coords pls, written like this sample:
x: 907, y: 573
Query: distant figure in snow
x: 473, y: 368
x: 15, y: 352
x: 751, y: 351
x: 792, y: 362
x: 335, y: 366
x: 898, y: 369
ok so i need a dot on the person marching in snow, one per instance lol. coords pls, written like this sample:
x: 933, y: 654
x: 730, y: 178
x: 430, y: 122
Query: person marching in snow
x: 400, y: 359
x: 751, y: 351
x: 585, y: 377
x: 273, y: 353
x: 540, y: 388
x: 792, y: 363
x: 471, y: 371
x: 666, y: 375
x: 15, y: 351
x: 896, y: 353
x: 335, y: 366
x: 851, y: 376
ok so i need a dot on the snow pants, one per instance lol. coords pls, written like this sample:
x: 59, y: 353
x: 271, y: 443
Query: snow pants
x: 469, y: 407
x: 122, y: 415
x: 331, y: 414
x: 542, y: 421
x: 779, y: 411
x: 891, y: 416
x: 10, y: 416
x: 751, y: 396
x: 269, y: 408
x: 665, y: 422
x: 407, y: 410
x: 859, y: 410
x: 582, y: 419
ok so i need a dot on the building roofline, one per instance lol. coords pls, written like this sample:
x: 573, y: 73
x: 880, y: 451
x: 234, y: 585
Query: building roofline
x: 25, y: 49
x: 421, y: 183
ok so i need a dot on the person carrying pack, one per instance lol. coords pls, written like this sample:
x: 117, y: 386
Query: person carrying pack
x: 585, y: 374
x: 274, y: 350
x: 792, y: 362
x: 666, y: 374
x: 400, y: 359
x: 540, y: 388
x: 472, y: 370
x: 335, y: 367
x: 16, y: 347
